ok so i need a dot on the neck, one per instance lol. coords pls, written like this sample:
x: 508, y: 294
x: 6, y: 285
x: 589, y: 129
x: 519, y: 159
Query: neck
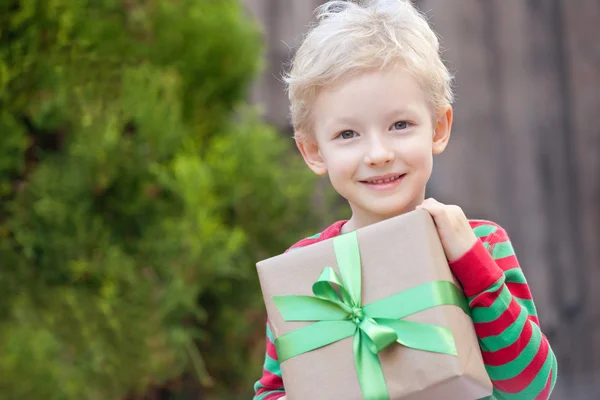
x: 361, y: 218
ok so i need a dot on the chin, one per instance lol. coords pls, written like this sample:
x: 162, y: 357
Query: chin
x: 384, y: 208
x: 390, y: 211
x: 394, y: 213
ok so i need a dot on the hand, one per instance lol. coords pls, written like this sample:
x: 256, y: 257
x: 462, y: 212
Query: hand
x: 283, y: 398
x: 453, y: 227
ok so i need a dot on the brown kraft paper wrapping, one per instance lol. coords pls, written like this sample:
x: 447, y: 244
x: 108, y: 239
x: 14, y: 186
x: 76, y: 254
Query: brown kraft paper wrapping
x: 396, y: 255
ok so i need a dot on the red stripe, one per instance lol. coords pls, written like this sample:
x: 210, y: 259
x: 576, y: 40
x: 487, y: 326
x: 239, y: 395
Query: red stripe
x: 331, y: 231
x: 271, y: 350
x: 509, y: 353
x: 478, y: 222
x: 275, y: 396
x: 272, y: 396
x: 524, y: 379
x: 545, y: 394
x: 520, y: 290
x: 304, y: 243
x: 507, y: 318
x: 507, y: 263
x: 500, y: 235
x: 486, y: 299
x: 535, y: 320
x: 476, y: 270
x: 270, y: 382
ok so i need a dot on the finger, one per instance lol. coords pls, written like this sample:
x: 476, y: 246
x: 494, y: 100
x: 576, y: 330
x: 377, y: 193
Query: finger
x: 434, y: 207
x: 456, y: 209
x: 431, y: 200
x: 434, y: 201
x: 458, y: 213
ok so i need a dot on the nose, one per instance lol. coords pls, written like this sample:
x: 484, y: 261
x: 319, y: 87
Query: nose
x: 379, y: 152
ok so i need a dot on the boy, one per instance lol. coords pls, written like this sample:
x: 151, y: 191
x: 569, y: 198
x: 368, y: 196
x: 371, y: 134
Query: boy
x: 371, y: 105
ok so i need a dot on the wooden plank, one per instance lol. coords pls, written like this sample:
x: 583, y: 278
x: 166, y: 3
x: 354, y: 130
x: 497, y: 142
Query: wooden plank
x: 534, y: 80
x: 490, y: 166
x: 284, y: 22
x: 475, y: 184
x: 582, y: 89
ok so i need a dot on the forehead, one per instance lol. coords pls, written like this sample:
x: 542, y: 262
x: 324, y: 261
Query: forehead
x: 370, y: 93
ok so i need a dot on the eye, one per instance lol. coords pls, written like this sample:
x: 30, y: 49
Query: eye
x: 347, y: 134
x: 400, y: 125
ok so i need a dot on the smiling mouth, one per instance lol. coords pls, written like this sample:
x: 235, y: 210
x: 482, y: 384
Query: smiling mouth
x: 384, y: 180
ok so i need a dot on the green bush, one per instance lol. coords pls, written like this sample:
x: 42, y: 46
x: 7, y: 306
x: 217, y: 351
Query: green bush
x: 136, y: 193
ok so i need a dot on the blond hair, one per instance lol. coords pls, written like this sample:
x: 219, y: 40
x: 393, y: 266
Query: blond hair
x: 350, y: 37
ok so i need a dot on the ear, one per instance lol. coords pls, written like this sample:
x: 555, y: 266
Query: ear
x: 310, y: 152
x: 441, y: 132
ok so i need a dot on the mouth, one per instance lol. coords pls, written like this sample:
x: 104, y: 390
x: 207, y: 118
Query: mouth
x: 383, y: 180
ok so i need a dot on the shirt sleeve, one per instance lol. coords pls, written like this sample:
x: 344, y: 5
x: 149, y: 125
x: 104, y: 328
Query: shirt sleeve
x: 270, y: 385
x: 517, y: 355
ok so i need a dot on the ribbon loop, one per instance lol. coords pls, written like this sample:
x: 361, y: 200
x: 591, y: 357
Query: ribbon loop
x: 324, y: 288
x: 418, y: 336
x: 381, y: 336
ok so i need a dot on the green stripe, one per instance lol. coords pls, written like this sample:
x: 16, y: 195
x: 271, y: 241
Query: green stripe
x: 491, y: 313
x: 495, y: 310
x: 508, y: 336
x: 492, y: 288
x: 487, y: 246
x: 257, y: 387
x: 315, y: 236
x: 554, y: 372
x: 484, y: 230
x: 528, y: 305
x: 515, y: 275
x: 502, y: 250
x: 270, y: 334
x: 268, y: 393
x: 516, y: 366
x: 272, y: 365
x: 535, y: 387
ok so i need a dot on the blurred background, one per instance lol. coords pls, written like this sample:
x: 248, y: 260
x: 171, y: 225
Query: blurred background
x: 146, y: 164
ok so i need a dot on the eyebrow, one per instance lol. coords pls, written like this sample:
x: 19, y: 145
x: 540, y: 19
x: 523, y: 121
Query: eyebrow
x: 345, y: 120
x: 350, y: 121
x: 399, y: 111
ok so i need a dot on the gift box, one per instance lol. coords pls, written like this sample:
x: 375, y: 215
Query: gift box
x: 373, y: 314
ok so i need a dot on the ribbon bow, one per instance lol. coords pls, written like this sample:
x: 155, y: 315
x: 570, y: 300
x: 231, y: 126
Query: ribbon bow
x: 374, y: 326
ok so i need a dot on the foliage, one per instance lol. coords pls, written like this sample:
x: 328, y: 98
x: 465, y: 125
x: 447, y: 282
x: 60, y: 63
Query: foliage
x: 136, y: 193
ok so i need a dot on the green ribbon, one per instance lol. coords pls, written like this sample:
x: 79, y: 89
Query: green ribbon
x: 375, y: 326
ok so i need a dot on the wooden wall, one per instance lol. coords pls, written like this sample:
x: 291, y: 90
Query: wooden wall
x: 525, y: 150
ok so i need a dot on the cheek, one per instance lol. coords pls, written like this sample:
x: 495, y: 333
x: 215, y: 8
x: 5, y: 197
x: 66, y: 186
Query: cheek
x: 419, y: 155
x: 340, y: 163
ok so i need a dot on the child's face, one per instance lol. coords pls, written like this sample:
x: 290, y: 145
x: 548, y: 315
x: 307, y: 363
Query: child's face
x: 373, y: 127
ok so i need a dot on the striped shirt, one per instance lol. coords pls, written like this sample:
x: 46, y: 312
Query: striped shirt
x: 517, y: 356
